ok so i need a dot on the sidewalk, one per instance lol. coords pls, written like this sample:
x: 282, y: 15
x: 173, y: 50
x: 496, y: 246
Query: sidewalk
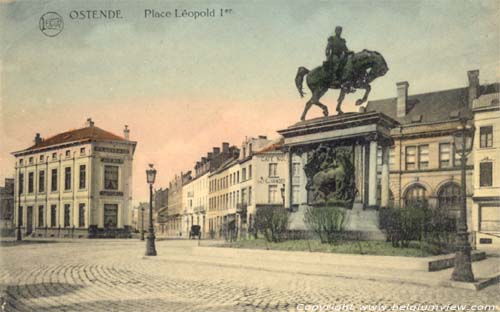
x: 364, y: 267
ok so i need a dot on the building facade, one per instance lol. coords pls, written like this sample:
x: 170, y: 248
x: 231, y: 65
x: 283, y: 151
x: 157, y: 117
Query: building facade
x: 424, y: 168
x: 75, y: 184
x: 486, y: 156
x: 160, y: 207
x: 7, y: 207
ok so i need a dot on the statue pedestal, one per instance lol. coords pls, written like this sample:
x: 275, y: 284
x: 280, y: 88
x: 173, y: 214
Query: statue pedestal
x: 361, y: 135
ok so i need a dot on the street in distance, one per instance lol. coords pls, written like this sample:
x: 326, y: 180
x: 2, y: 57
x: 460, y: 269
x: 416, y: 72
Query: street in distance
x: 178, y: 13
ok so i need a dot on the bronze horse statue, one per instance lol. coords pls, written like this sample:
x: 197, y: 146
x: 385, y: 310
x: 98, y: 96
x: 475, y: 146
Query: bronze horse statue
x: 359, y: 70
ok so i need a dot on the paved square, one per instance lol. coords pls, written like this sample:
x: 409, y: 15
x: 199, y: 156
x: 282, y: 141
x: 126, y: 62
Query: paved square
x: 113, y: 275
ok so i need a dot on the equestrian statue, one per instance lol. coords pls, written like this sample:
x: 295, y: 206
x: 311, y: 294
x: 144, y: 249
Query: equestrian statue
x: 344, y: 70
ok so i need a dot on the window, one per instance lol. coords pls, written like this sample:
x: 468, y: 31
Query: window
x: 54, y: 156
x: 238, y: 177
x: 81, y: 215
x: 486, y: 174
x: 250, y: 149
x: 392, y: 155
x: 21, y: 162
x: 68, y: 153
x: 244, y: 196
x: 67, y: 178
x: 249, y: 195
x: 30, y: 182
x: 111, y: 177
x: 273, y: 194
x: 67, y: 213
x: 273, y: 169
x: 21, y: 183
x: 31, y: 160
x: 40, y: 216
x: 250, y: 171
x: 295, y: 194
x: 449, y: 197
x: 415, y: 196
x: 486, y: 136
x: 53, y: 180
x: 53, y: 215
x: 41, y: 158
x: 82, y: 151
x: 243, y: 174
x: 423, y: 157
x: 83, y: 176
x: 41, y: 181
x: 444, y: 155
x: 411, y: 158
x: 110, y: 215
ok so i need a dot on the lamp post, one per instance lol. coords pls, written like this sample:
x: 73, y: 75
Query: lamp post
x: 142, y: 226
x: 19, y: 236
x: 283, y: 195
x: 150, y: 244
x: 463, y: 142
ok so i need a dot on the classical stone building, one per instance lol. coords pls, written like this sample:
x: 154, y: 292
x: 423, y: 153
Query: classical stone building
x: 486, y: 156
x: 140, y: 214
x: 423, y: 165
x: 7, y: 207
x: 175, y: 208
x: 75, y: 184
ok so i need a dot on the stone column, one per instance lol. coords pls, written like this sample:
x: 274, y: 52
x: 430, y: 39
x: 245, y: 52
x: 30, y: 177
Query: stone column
x: 359, y: 173
x: 384, y: 200
x: 372, y: 175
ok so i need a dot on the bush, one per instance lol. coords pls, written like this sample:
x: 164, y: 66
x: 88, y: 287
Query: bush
x: 418, y: 222
x: 327, y: 222
x: 273, y: 222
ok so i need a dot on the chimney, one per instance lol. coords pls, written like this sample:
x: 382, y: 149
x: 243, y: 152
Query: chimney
x: 89, y: 123
x: 225, y: 147
x: 210, y: 156
x: 38, y: 139
x: 473, y: 85
x: 216, y: 151
x: 402, y: 100
x: 126, y: 133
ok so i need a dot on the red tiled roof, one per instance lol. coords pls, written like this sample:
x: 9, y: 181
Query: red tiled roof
x: 84, y: 134
x: 276, y: 146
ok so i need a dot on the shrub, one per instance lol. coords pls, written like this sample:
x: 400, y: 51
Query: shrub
x: 272, y: 221
x: 327, y: 222
x: 418, y: 222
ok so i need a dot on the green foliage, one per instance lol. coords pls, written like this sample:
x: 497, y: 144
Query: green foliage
x: 273, y: 222
x: 326, y: 222
x: 433, y: 226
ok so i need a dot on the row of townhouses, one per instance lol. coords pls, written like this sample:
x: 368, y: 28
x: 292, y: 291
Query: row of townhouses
x: 226, y: 187
x: 78, y: 182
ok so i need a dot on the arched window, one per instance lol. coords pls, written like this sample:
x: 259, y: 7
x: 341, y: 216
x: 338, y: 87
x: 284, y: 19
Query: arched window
x: 415, y: 196
x: 449, y: 197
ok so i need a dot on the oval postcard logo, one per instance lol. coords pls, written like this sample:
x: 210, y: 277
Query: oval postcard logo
x: 51, y: 24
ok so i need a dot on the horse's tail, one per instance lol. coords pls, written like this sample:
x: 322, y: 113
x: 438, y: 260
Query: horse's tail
x: 299, y: 79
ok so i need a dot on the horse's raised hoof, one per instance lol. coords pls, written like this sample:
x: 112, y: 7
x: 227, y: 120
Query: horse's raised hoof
x: 359, y: 102
x: 325, y: 113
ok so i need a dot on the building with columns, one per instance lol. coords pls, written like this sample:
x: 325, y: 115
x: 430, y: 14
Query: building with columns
x: 75, y: 184
x: 423, y: 165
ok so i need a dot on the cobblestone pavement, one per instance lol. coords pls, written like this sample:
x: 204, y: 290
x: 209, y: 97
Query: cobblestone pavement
x: 113, y: 275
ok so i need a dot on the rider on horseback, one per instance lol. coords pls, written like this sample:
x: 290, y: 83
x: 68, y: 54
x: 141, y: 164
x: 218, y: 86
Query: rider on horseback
x: 336, y: 54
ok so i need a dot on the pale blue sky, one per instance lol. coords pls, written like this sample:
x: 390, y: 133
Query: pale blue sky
x: 184, y: 86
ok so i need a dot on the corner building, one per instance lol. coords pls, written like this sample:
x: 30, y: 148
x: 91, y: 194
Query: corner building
x: 75, y: 184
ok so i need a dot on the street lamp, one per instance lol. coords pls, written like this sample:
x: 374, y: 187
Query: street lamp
x: 463, y: 142
x: 150, y: 244
x: 283, y: 195
x: 142, y: 226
